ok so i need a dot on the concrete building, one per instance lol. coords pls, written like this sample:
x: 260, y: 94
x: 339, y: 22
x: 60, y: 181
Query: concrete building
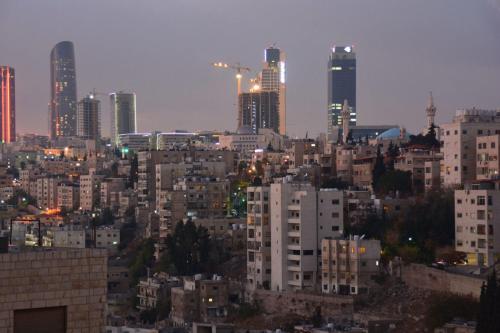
x: 61, y: 291
x: 199, y: 300
x: 248, y: 142
x: 68, y: 195
x: 301, y: 217
x: 89, y: 191
x: 477, y: 222
x: 47, y: 191
x: 88, y: 118
x: 413, y: 159
x: 67, y: 237
x: 110, y: 191
x: 459, y: 143
x: 349, y: 265
x: 258, y: 238
x: 135, y: 141
x: 433, y: 173
x: 152, y: 289
x: 488, y: 154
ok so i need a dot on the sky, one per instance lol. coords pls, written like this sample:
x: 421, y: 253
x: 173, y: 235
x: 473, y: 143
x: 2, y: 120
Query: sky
x: 163, y: 49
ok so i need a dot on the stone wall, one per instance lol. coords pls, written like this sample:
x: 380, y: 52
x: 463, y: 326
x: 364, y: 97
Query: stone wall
x: 304, y: 304
x: 71, y: 278
x: 424, y: 277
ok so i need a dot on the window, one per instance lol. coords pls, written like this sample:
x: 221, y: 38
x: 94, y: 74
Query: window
x: 481, y: 201
x: 308, y: 252
x: 335, y: 214
x: 335, y: 202
x: 481, y: 215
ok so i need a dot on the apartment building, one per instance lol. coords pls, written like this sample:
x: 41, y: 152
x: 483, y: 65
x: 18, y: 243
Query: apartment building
x: 46, y: 192
x: 68, y: 195
x: 258, y: 238
x: 348, y: 265
x: 89, y: 191
x: 477, y: 222
x: 459, y: 143
x: 301, y: 217
x: 488, y: 153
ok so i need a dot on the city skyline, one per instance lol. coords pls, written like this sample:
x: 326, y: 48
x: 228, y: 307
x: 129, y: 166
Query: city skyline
x: 423, y: 55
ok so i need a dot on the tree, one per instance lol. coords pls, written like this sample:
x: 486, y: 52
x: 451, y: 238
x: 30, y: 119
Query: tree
x: 378, y: 168
x: 316, y: 318
x: 394, y: 181
x: 489, y: 306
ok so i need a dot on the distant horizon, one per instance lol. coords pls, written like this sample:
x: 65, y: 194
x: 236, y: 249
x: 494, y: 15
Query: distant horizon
x: 163, y: 51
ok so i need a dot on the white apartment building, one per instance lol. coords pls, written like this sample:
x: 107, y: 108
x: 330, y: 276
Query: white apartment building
x: 488, y: 153
x: 68, y: 195
x: 258, y: 238
x: 46, y: 192
x: 89, y: 191
x: 68, y: 236
x: 477, y: 222
x: 301, y: 217
x: 248, y: 142
x: 459, y: 143
x: 349, y: 264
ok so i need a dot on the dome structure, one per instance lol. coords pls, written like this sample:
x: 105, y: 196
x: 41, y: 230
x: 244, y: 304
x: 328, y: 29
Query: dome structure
x: 393, y: 133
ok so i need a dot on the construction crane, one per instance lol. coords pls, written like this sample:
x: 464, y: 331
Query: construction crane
x: 239, y: 75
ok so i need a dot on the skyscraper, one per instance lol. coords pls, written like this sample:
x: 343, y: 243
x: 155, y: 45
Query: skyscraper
x: 341, y: 85
x: 89, y: 118
x: 63, y: 90
x: 259, y: 109
x: 7, y: 105
x: 273, y: 79
x: 123, y: 113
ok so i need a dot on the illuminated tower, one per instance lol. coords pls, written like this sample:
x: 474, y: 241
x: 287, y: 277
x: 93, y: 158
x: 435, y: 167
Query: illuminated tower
x: 7, y: 104
x: 124, y: 115
x: 430, y: 111
x: 273, y: 78
x: 88, y: 118
x: 63, y: 90
x: 341, y: 85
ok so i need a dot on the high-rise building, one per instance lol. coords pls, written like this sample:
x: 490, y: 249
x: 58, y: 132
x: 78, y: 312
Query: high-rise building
x: 7, y: 105
x: 63, y: 90
x: 88, y: 118
x: 123, y: 113
x: 273, y: 79
x: 341, y: 85
x: 459, y: 146
x: 258, y: 110
x: 301, y: 217
x: 477, y: 222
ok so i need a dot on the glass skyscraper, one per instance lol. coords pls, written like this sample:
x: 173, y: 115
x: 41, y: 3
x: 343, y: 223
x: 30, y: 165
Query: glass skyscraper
x: 341, y: 85
x: 63, y: 90
x: 7, y: 105
x: 123, y: 113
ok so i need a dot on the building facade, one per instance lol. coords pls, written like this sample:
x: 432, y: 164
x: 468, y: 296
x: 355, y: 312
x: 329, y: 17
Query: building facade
x: 349, y: 264
x: 124, y: 115
x: 273, y: 79
x: 63, y: 90
x: 7, y: 104
x: 477, y: 223
x: 459, y: 143
x: 341, y: 85
x: 89, y: 118
x: 301, y: 217
x: 259, y: 110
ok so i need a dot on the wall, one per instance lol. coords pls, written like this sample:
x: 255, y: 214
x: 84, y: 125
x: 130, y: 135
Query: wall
x: 423, y: 277
x: 74, y: 278
x: 304, y: 304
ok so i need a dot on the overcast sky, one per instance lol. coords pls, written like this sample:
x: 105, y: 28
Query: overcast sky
x: 162, y: 50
